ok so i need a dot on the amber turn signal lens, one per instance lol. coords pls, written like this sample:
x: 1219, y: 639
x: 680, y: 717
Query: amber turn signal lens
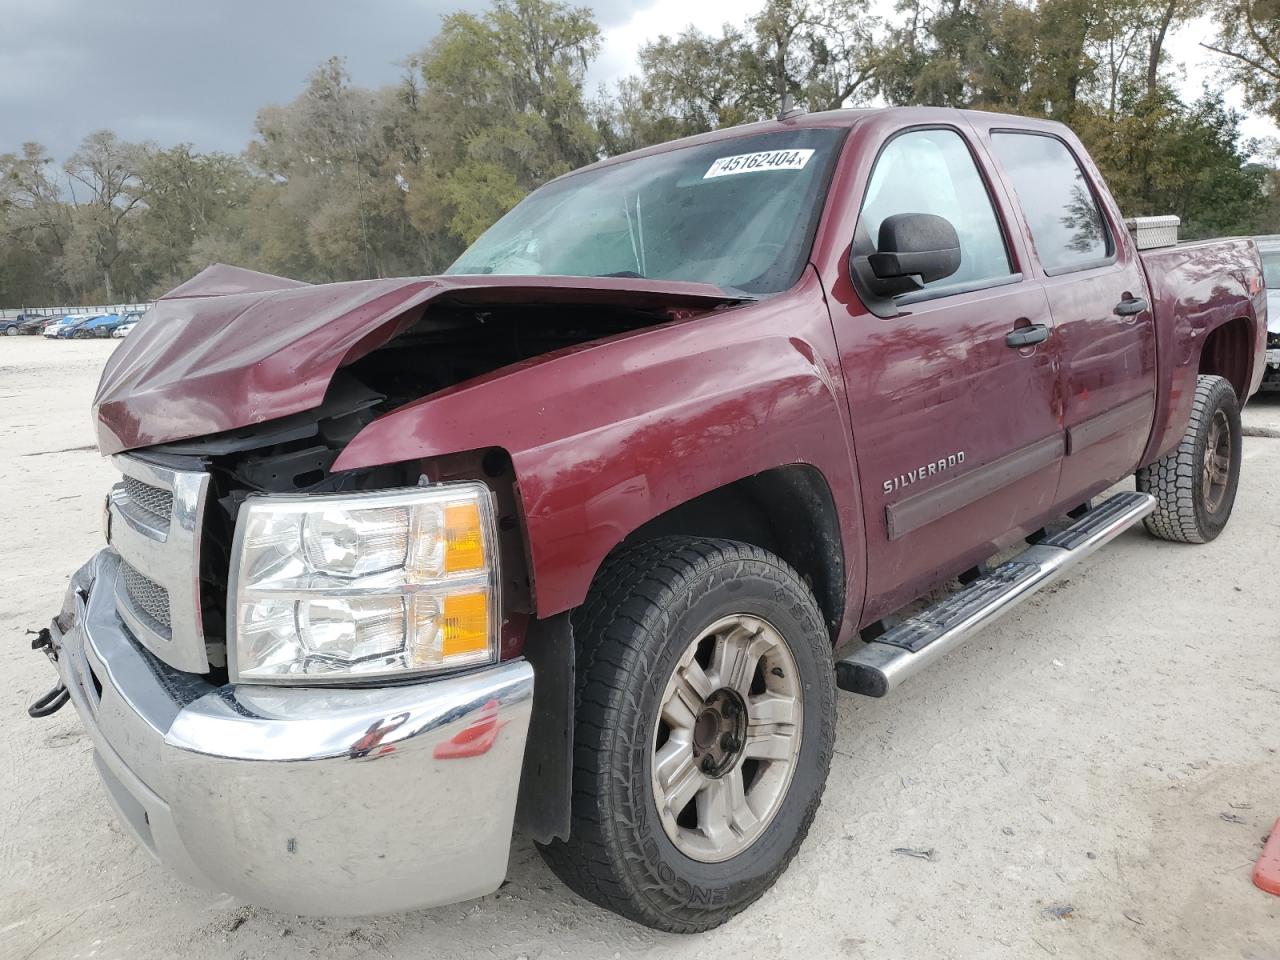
x: 463, y: 538
x: 466, y: 624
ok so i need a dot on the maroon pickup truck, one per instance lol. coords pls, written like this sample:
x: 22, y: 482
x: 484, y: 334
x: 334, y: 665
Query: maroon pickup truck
x: 582, y: 537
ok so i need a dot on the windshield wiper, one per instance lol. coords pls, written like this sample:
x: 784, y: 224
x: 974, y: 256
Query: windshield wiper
x: 634, y: 230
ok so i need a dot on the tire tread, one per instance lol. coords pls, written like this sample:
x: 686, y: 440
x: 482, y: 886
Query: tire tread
x: 618, y: 634
x: 1173, y: 478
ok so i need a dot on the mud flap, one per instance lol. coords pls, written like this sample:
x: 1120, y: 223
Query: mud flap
x: 546, y: 781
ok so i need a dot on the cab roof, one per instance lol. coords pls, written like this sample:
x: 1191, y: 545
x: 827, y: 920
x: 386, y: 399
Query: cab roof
x: 904, y: 116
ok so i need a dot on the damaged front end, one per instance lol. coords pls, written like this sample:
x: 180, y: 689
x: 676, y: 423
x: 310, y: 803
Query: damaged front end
x: 272, y: 794
x: 47, y: 640
x: 263, y: 625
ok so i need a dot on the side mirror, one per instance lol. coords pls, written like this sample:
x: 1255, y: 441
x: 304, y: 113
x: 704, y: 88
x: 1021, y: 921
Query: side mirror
x: 914, y: 249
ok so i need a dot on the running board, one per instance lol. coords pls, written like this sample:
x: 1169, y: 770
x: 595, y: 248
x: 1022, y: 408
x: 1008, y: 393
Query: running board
x: 912, y: 645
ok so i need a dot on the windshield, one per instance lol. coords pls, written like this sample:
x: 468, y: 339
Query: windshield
x: 739, y: 214
x: 1271, y: 268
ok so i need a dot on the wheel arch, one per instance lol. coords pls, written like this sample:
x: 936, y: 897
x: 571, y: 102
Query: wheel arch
x: 1228, y: 352
x: 787, y: 510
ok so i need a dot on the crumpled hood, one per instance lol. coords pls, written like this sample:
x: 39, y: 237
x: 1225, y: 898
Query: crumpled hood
x: 230, y: 347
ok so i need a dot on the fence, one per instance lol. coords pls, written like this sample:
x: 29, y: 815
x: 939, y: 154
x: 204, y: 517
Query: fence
x: 63, y: 311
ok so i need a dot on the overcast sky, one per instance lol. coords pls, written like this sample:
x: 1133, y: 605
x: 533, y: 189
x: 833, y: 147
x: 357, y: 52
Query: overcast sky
x: 170, y: 71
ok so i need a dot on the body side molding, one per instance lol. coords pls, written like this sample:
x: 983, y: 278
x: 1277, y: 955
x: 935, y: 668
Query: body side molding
x: 1107, y: 424
x: 912, y: 513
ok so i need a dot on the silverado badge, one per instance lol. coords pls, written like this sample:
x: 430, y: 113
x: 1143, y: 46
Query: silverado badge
x: 922, y: 471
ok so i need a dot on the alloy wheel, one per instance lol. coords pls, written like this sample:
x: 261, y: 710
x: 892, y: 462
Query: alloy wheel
x: 728, y: 738
x: 1217, y: 462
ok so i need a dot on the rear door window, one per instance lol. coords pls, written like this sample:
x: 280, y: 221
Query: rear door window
x: 1066, y: 225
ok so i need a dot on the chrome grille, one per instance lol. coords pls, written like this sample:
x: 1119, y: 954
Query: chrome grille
x: 156, y: 515
x: 147, y: 595
x: 154, y: 500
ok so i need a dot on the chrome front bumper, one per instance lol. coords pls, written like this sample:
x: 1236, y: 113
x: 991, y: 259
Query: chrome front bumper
x: 306, y: 800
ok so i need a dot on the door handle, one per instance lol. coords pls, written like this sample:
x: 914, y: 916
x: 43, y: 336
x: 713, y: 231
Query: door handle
x: 1027, y: 336
x: 1130, y: 306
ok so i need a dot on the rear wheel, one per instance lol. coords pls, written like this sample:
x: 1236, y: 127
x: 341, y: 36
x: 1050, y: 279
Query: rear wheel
x: 705, y: 724
x: 1195, y: 484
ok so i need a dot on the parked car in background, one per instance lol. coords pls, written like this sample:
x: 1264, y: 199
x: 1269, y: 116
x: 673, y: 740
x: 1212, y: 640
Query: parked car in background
x: 131, y: 320
x: 99, y: 327
x: 69, y: 330
x: 24, y: 323
x: 1269, y: 248
x: 53, y: 328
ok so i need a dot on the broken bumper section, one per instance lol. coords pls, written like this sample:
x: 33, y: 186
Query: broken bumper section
x: 308, y: 800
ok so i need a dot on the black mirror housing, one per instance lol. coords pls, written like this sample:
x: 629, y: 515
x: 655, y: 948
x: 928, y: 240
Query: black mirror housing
x: 913, y: 249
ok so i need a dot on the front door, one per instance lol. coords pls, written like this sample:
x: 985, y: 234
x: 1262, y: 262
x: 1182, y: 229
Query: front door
x: 959, y: 441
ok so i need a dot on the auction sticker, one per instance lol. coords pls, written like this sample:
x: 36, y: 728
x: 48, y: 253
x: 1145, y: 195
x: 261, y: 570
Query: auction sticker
x: 755, y: 162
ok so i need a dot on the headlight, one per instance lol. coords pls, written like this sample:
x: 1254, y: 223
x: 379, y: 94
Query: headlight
x: 334, y: 588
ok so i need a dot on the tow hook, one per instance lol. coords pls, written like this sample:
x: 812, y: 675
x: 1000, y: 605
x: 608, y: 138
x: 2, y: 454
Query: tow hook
x: 56, y: 698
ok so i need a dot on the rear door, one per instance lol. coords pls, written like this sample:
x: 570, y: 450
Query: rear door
x: 1097, y: 292
x: 958, y: 439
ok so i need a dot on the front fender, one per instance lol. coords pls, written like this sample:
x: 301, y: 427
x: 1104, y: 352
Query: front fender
x: 607, y: 437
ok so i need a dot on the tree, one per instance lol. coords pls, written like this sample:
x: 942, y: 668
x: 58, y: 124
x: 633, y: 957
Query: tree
x: 1054, y: 58
x: 1166, y: 157
x: 819, y: 51
x: 186, y: 196
x: 688, y: 84
x: 964, y: 53
x: 502, y: 110
x: 34, y: 226
x: 108, y: 172
x: 1249, y: 41
x: 327, y: 155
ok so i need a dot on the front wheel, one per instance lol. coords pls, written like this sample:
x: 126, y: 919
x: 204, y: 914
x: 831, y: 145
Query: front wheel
x: 705, y: 725
x: 1195, y: 484
x: 11, y: 331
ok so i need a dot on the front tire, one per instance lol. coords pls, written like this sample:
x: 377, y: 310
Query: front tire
x: 705, y: 723
x: 1195, y: 484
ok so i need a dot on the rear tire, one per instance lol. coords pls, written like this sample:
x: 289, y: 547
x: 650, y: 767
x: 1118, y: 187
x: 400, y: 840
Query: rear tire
x: 742, y: 765
x: 1195, y: 484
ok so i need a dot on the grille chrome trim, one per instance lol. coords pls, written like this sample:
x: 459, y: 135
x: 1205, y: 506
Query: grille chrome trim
x: 146, y: 595
x: 154, y: 501
x: 165, y: 550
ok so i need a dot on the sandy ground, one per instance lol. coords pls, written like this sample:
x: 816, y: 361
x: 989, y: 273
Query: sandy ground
x: 1094, y: 775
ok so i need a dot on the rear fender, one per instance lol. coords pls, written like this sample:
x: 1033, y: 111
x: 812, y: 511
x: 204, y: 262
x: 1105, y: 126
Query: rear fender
x: 1197, y: 289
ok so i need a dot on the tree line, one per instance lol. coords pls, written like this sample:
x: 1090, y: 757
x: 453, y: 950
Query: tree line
x: 347, y: 182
